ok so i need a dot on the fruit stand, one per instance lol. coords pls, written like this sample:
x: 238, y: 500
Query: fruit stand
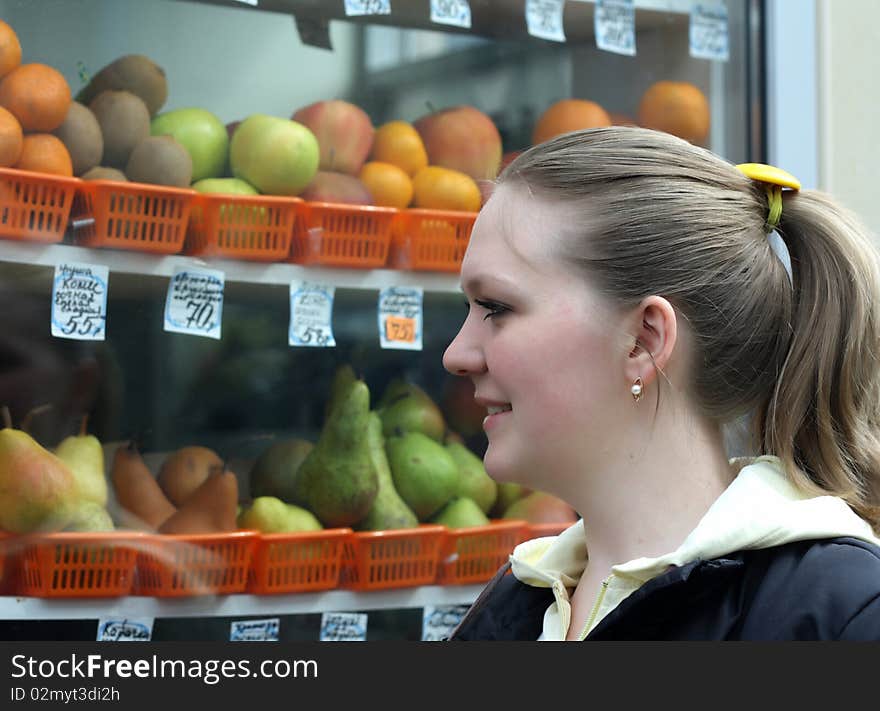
x: 231, y: 274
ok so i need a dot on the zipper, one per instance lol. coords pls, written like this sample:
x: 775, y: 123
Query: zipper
x: 595, y: 611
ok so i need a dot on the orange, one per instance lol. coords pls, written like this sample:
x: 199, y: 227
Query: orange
x: 569, y: 115
x: 678, y: 108
x: 389, y: 185
x: 446, y: 189
x: 10, y: 139
x: 45, y: 153
x: 37, y: 95
x: 398, y: 143
x: 10, y: 49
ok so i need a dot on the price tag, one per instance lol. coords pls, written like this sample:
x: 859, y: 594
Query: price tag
x: 354, y: 8
x: 709, y: 38
x: 400, y: 317
x: 254, y: 630
x: 451, y: 12
x: 615, y: 26
x: 343, y: 627
x: 544, y: 19
x: 438, y: 622
x: 252, y: 3
x: 311, y: 311
x: 194, y: 304
x: 126, y: 629
x: 79, y: 301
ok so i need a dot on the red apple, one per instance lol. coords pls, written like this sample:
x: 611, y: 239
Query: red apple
x: 344, y: 132
x: 462, y: 138
x: 329, y: 186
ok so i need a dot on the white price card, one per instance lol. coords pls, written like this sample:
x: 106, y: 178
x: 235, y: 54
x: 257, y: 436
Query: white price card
x: 311, y: 314
x: 438, y: 622
x: 253, y: 3
x: 125, y: 629
x: 194, y: 304
x: 544, y: 19
x: 709, y: 38
x: 451, y: 12
x: 615, y: 26
x: 343, y: 627
x: 400, y: 317
x: 355, y: 8
x: 79, y: 301
x: 255, y: 630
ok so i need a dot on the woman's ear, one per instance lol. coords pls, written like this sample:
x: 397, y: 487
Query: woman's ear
x: 655, y: 328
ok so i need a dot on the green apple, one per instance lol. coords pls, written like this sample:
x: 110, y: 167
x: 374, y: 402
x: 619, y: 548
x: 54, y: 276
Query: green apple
x: 275, y: 155
x: 202, y: 134
x: 225, y: 186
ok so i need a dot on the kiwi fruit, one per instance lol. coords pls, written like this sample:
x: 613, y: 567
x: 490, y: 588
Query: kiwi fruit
x: 124, y: 122
x: 81, y: 134
x: 102, y: 172
x: 160, y: 160
x: 132, y: 72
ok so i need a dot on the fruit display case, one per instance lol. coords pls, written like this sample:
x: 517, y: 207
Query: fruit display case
x: 248, y: 387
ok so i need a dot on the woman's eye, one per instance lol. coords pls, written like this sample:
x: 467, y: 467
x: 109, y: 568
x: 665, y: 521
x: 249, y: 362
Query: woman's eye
x: 494, y: 308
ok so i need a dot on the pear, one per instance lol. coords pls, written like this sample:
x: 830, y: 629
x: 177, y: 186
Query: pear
x: 211, y: 508
x: 270, y: 514
x: 343, y: 378
x: 90, y: 516
x: 473, y: 481
x: 185, y: 470
x: 405, y: 406
x: 389, y: 511
x: 274, y: 472
x: 508, y: 492
x: 37, y: 489
x: 541, y: 507
x: 84, y: 455
x: 461, y: 512
x: 424, y: 473
x: 337, y: 481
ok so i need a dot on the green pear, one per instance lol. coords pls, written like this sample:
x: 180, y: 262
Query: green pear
x: 343, y: 378
x: 337, y: 481
x: 473, y: 481
x: 37, y: 489
x: 90, y: 516
x: 424, y: 473
x: 460, y: 512
x: 388, y: 511
x: 508, y: 492
x: 405, y: 406
x: 84, y: 455
x: 270, y: 514
x: 274, y: 472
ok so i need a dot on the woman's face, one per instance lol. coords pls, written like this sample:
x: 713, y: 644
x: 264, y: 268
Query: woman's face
x: 538, y: 344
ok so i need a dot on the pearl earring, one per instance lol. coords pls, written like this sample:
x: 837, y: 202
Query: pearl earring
x: 636, y: 389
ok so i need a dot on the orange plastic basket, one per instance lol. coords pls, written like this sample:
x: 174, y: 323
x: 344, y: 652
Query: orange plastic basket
x: 34, y: 206
x: 538, y: 530
x: 431, y: 240
x: 146, y: 218
x: 181, y: 565
x: 77, y: 564
x: 378, y: 560
x: 297, y: 562
x: 340, y: 235
x: 474, y: 554
x: 251, y: 227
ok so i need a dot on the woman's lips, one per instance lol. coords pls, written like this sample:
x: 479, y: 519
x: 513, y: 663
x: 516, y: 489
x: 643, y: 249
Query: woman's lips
x: 494, y: 416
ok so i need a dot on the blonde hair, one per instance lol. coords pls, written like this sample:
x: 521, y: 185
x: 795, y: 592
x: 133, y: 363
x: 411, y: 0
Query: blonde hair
x: 661, y: 216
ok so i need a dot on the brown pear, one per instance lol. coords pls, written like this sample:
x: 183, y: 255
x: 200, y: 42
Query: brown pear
x: 184, y: 471
x: 212, y: 508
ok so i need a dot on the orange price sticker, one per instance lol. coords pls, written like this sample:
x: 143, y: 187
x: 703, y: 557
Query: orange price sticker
x: 400, y: 329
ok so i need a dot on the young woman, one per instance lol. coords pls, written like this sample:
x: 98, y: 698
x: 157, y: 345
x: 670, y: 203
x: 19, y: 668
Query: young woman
x: 629, y: 295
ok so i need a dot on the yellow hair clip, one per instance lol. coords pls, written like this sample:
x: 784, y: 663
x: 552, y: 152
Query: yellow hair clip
x: 775, y: 179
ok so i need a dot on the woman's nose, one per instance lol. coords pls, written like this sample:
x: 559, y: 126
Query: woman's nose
x: 463, y: 356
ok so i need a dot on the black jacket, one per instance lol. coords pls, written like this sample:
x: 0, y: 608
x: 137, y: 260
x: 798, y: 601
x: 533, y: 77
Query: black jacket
x: 809, y: 590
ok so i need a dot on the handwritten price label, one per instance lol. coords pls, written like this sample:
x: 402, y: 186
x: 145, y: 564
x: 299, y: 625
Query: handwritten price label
x: 343, y: 627
x: 451, y: 12
x: 355, y: 8
x: 311, y: 312
x: 544, y: 19
x: 708, y: 32
x: 400, y: 317
x: 79, y: 301
x: 615, y: 26
x: 194, y: 304
x: 255, y: 630
x: 128, y: 629
x: 438, y: 622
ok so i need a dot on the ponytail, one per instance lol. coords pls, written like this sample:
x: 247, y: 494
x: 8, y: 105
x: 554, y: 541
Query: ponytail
x: 822, y: 417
